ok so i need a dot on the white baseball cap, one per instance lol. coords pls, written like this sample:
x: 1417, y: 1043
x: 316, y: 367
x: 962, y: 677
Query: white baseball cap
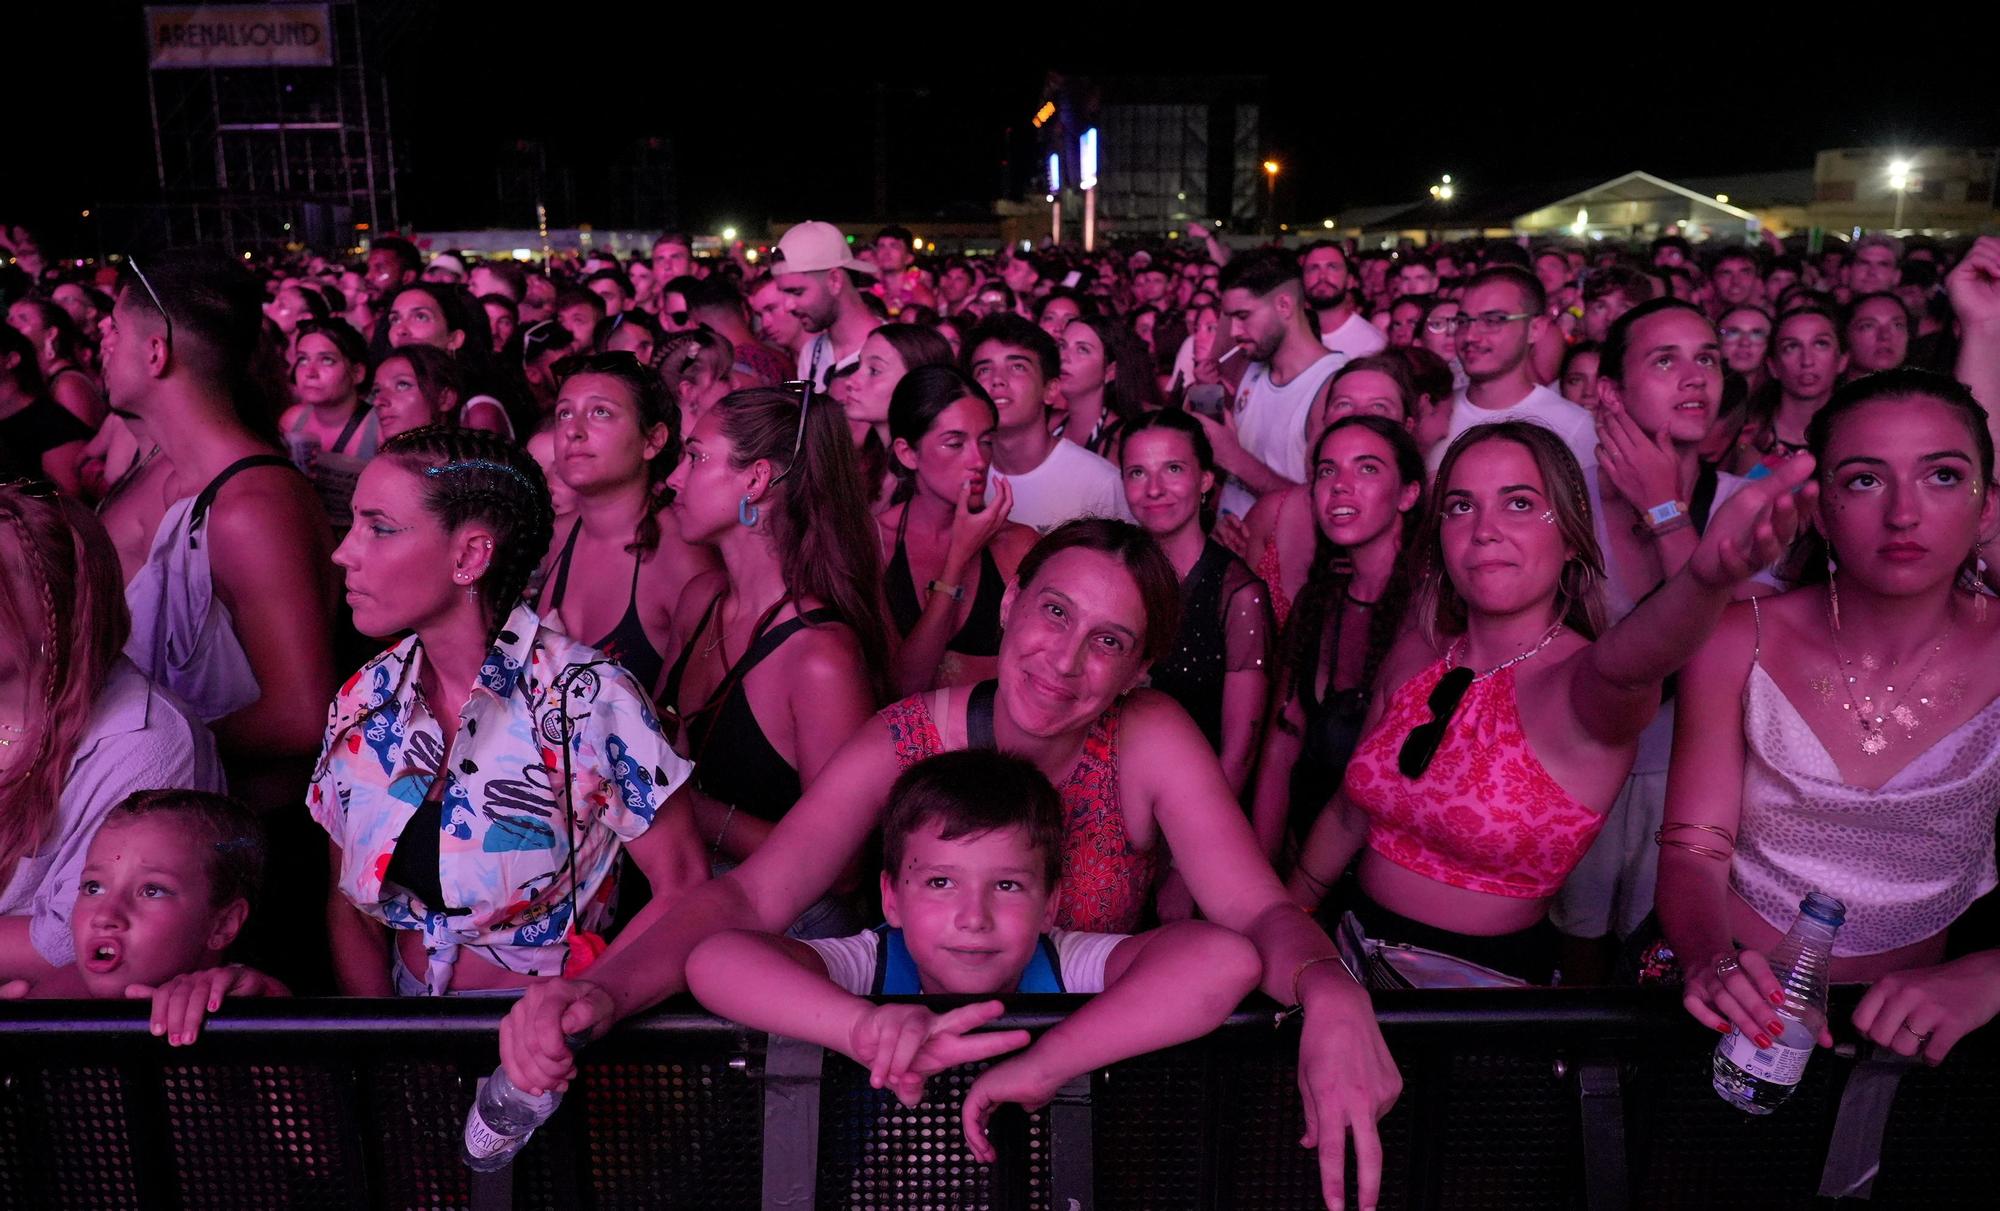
x: 815, y: 247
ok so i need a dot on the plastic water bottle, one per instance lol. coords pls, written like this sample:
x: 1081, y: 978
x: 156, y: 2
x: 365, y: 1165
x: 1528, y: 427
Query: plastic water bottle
x: 1757, y: 1080
x: 502, y: 1119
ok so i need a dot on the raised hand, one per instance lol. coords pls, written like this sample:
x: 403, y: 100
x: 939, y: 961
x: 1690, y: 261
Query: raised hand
x: 1974, y: 286
x: 1644, y: 470
x: 1756, y: 525
x: 903, y: 1045
x: 970, y: 531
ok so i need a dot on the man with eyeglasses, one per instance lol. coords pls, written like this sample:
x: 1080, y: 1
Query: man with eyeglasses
x: 1263, y: 444
x: 1501, y: 315
x: 822, y: 283
x: 233, y: 607
x: 1324, y: 271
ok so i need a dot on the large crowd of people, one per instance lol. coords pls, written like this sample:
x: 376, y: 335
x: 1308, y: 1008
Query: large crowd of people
x: 1134, y: 621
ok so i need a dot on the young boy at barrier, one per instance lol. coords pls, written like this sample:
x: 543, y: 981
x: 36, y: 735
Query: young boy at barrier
x: 971, y: 861
x: 166, y: 886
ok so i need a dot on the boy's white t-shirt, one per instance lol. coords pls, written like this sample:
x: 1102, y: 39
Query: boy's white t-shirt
x: 1071, y: 483
x: 1541, y: 405
x: 1080, y: 958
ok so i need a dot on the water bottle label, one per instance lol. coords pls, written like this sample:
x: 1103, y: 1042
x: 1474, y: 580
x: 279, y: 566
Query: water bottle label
x: 482, y: 1141
x: 1777, y: 1064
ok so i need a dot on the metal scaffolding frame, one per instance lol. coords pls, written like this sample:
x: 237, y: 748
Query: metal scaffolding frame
x: 252, y: 157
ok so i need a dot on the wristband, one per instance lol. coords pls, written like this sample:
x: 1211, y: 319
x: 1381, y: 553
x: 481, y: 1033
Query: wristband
x: 1681, y: 522
x: 1665, y: 513
x: 953, y: 591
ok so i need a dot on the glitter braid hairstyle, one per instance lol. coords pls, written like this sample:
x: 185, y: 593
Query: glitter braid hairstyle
x: 471, y: 475
x: 62, y: 600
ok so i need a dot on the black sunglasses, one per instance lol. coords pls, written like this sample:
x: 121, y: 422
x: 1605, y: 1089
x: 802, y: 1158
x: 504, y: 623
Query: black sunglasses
x: 805, y: 389
x: 1422, y: 744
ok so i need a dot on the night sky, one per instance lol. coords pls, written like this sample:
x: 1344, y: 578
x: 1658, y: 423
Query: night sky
x: 771, y: 115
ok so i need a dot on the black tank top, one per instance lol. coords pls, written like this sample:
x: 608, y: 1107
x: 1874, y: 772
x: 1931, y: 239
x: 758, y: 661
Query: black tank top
x: 734, y: 762
x: 1191, y: 674
x: 626, y: 643
x: 1332, y: 729
x: 980, y: 636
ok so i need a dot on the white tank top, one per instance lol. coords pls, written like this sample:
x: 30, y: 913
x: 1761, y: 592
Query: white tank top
x: 1271, y: 424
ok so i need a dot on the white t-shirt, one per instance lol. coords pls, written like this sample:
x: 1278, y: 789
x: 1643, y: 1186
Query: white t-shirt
x: 1355, y: 337
x: 1071, y: 483
x: 1080, y: 959
x: 1271, y: 424
x: 1542, y: 406
x: 822, y: 347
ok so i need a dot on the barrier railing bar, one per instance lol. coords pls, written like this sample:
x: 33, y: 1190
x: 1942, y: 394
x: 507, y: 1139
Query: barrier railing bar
x: 1601, y: 1102
x: 1072, y: 1147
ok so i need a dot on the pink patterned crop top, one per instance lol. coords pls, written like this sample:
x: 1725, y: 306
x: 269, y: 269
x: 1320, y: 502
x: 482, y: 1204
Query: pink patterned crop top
x: 1485, y: 816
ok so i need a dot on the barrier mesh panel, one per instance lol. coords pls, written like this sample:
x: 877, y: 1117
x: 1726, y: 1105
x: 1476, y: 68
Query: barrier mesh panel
x: 683, y: 1134
x: 875, y: 1154
x: 416, y: 1119
x: 1692, y: 1149
x: 85, y: 1145
x: 1509, y: 1134
x: 261, y: 1136
x: 1159, y: 1109
x: 1262, y: 1167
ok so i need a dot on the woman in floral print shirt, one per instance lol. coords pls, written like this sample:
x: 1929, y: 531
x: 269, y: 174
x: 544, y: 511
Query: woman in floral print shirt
x: 551, y: 758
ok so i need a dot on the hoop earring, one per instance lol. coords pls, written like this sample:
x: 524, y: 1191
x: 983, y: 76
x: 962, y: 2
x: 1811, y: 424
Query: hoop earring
x: 1832, y: 590
x: 747, y: 513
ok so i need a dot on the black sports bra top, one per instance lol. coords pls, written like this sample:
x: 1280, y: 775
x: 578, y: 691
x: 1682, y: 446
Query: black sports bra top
x: 980, y: 636
x: 734, y: 762
x: 626, y: 643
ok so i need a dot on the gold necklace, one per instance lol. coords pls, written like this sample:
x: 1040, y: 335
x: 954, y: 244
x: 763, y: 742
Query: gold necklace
x: 1867, y: 713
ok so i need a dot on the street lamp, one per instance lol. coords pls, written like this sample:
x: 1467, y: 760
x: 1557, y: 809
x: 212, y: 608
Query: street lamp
x: 1271, y: 191
x: 1441, y: 192
x: 1899, y: 180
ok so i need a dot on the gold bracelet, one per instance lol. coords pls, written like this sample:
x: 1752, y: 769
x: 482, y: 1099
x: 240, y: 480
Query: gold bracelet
x: 1299, y: 974
x: 1728, y: 838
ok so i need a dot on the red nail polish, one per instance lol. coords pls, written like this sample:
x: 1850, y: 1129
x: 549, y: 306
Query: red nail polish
x: 1726, y: 1028
x: 1774, y: 1028
x: 1762, y: 1041
x: 1778, y: 999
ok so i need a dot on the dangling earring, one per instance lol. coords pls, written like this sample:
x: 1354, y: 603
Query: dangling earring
x: 1832, y: 590
x: 1979, y: 590
x: 747, y: 513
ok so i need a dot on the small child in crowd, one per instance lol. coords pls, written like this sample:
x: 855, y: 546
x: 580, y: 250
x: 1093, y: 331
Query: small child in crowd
x: 166, y: 886
x: 971, y: 865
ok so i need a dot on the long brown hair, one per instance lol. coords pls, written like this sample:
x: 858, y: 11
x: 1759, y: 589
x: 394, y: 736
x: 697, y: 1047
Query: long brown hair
x: 1579, y: 592
x: 820, y: 519
x: 62, y: 600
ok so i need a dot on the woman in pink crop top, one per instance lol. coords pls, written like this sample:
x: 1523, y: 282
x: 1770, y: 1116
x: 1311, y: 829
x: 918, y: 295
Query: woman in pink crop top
x: 1468, y: 812
x: 1845, y: 736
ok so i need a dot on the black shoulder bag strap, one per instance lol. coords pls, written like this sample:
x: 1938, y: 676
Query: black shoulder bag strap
x: 979, y: 715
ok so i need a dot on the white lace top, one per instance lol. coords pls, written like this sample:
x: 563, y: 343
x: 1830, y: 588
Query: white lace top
x: 1906, y: 858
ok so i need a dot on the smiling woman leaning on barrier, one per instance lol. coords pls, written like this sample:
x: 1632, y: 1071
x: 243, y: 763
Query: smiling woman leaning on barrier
x: 1094, y: 604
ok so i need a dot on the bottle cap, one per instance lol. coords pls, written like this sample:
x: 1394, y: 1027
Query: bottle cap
x: 1824, y: 909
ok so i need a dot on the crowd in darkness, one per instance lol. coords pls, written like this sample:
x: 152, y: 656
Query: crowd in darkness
x: 800, y: 630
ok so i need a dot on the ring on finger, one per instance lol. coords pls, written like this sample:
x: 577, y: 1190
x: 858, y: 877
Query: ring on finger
x: 1921, y: 1038
x: 1727, y: 966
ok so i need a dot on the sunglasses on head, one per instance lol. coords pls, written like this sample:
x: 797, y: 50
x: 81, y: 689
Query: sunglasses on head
x: 805, y: 389
x: 154, y: 295
x: 1421, y: 745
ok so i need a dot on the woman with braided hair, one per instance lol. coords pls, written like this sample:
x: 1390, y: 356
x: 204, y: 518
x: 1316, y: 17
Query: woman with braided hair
x: 479, y: 778
x: 80, y: 726
x: 616, y: 438
x: 785, y: 646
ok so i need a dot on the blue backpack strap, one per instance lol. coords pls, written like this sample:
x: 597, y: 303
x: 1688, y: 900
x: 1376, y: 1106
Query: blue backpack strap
x: 1044, y: 973
x: 895, y: 971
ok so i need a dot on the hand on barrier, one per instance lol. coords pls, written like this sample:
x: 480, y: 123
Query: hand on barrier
x: 536, y: 1034
x: 903, y: 1045
x: 1017, y: 1079
x: 1736, y: 991
x: 1347, y: 1082
x: 181, y: 1004
x: 1929, y: 1009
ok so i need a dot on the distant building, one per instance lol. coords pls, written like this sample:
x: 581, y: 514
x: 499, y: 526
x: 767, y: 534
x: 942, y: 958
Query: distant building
x: 1945, y: 190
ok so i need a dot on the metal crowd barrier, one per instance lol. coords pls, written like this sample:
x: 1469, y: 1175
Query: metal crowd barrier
x: 1547, y: 1098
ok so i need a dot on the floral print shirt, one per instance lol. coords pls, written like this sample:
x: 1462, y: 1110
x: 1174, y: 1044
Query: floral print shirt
x: 505, y: 864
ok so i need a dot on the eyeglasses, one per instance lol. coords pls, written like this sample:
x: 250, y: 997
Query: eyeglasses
x: 155, y: 296
x: 1755, y: 336
x: 1421, y: 745
x: 1486, y: 321
x: 1440, y: 325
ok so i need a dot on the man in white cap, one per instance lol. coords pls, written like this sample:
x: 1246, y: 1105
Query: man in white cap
x: 816, y: 273
x: 445, y: 267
